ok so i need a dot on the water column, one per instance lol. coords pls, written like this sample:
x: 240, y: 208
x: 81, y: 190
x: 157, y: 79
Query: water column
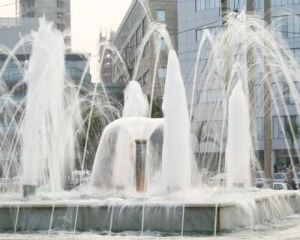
x: 140, y: 150
x: 239, y: 143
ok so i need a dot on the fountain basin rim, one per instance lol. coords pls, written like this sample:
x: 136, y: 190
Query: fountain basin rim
x: 136, y: 202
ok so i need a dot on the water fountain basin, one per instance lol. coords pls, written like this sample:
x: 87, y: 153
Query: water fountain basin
x: 220, y: 211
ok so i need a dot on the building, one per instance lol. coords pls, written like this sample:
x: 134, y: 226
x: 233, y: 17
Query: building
x: 75, y: 64
x: 12, y: 30
x: 129, y: 37
x: 194, y: 16
x: 56, y: 11
x: 113, y: 88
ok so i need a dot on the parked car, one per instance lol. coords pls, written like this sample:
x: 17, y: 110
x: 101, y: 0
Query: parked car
x: 296, y: 180
x: 282, y: 186
x: 261, y: 181
x: 280, y: 178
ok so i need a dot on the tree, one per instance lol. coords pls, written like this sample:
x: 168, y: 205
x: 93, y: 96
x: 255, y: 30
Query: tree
x: 157, y: 109
x: 291, y: 131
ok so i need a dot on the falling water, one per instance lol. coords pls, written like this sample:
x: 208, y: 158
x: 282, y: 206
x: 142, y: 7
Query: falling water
x: 115, y: 158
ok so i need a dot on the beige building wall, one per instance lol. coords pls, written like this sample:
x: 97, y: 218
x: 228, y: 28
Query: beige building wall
x: 56, y: 11
x: 131, y: 32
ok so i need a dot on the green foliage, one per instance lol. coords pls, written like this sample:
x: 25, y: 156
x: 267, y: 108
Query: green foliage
x: 292, y: 131
x: 157, y: 108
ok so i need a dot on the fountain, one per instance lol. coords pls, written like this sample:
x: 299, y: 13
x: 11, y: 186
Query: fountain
x: 145, y: 177
x: 46, y: 127
x: 238, y: 148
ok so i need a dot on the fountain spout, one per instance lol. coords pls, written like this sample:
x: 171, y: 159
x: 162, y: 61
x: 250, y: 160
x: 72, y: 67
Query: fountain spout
x: 140, y: 149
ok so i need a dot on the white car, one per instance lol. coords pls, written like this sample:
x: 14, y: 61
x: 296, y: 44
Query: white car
x: 280, y: 178
x: 282, y: 186
x: 261, y: 181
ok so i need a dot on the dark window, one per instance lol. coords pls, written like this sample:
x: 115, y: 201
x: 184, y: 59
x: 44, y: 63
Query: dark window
x: 30, y: 14
x: 60, y: 26
x: 161, y: 15
x: 60, y: 4
x: 145, y: 26
x: 206, y: 4
x: 138, y: 35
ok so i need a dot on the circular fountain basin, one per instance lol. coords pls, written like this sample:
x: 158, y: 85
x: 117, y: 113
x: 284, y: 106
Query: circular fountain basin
x: 179, y: 213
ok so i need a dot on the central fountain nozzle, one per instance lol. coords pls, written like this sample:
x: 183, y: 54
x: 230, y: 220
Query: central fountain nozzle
x: 140, y: 169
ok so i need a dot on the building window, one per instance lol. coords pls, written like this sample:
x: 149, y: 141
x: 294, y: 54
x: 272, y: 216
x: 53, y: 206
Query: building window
x: 30, y: 14
x: 60, y: 15
x: 162, y: 44
x: 296, y: 52
x: 30, y: 3
x: 259, y: 4
x: 284, y: 2
x: 60, y: 26
x: 206, y: 4
x: 260, y: 128
x: 138, y: 35
x: 60, y: 4
x: 145, y: 26
x: 145, y: 77
x: 162, y: 73
x: 278, y: 2
x: 146, y: 50
x: 161, y: 15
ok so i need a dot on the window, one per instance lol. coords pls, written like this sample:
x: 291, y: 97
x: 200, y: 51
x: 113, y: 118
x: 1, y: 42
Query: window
x: 145, y: 77
x: 237, y: 4
x: 30, y: 14
x: 288, y: 26
x: 162, y: 44
x: 208, y: 96
x: 206, y: 4
x: 138, y: 35
x: 162, y: 73
x: 260, y: 128
x: 60, y: 26
x: 60, y: 15
x: 60, y: 4
x: 281, y: 25
x: 30, y: 3
x: 161, y: 15
x: 278, y: 123
x: 279, y: 2
x: 259, y: 4
x: 145, y: 26
x: 146, y: 50
x: 296, y: 52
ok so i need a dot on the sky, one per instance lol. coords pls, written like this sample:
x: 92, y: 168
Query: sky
x: 88, y: 18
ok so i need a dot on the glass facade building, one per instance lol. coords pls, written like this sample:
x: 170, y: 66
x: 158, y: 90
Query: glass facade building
x: 196, y: 16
